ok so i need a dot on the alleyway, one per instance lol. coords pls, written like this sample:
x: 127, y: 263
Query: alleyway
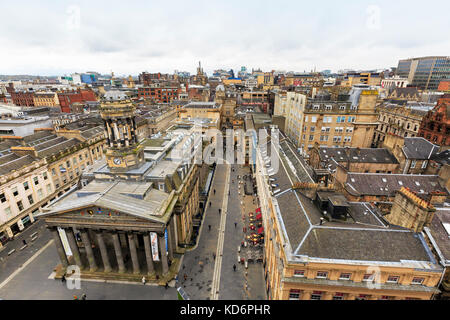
x: 204, y: 268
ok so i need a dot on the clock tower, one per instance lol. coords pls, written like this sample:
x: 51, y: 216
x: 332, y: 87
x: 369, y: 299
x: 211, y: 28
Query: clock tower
x: 124, y: 151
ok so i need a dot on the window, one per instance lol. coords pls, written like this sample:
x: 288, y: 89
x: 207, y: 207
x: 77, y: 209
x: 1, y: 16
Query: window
x: 299, y: 273
x: 80, y: 157
x: 368, y: 277
x: 387, y: 298
x: 424, y: 164
x: 68, y: 163
x: 306, y: 118
x: 347, y: 139
x: 75, y: 161
x: 417, y: 280
x: 53, y: 171
x: 26, y: 186
x: 40, y: 194
x: 413, y: 164
x: 314, y: 119
x: 30, y: 199
x: 316, y: 295
x: 294, y: 294
x: 36, y: 180
x: 2, y: 197
x: 49, y: 188
x: 362, y: 297
x: 15, y: 192
x: 313, y: 129
x: 345, y: 276
x: 338, y: 296
x: 20, y: 205
x: 323, y: 138
x: 45, y: 175
x: 8, y: 211
x: 393, y: 279
x: 322, y: 275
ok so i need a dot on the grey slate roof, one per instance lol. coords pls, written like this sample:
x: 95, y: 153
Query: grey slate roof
x: 442, y: 157
x: 361, y: 155
x: 380, y: 184
x: 440, y: 235
x: 418, y: 148
x: 136, y: 198
x: 368, y: 238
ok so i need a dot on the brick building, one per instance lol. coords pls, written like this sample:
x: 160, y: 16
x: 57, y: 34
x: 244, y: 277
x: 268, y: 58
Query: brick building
x: 160, y: 95
x: 22, y: 98
x: 435, y: 125
x: 67, y: 98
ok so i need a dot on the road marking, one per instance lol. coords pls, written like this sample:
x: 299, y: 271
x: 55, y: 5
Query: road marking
x: 15, y: 273
x: 218, y: 265
x: 52, y: 275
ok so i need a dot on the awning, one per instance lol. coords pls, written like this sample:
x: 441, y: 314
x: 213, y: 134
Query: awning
x: 259, y: 216
x: 261, y: 230
x: 258, y: 210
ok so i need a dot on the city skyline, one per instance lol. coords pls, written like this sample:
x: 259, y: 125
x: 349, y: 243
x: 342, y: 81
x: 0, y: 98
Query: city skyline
x: 65, y: 37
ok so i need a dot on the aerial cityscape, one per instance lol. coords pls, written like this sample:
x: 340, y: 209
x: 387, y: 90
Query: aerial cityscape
x: 237, y: 181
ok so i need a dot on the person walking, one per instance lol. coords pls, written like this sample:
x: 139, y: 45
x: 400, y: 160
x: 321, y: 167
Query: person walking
x: 24, y: 242
x: 235, y: 225
x: 234, y: 267
x: 83, y: 296
x: 220, y: 210
x: 210, y: 203
x: 214, y: 256
x: 214, y: 191
x: 143, y: 280
x: 209, y: 227
x: 185, y: 277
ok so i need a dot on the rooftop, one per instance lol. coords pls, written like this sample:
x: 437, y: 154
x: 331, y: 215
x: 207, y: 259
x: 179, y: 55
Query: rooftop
x: 364, y: 237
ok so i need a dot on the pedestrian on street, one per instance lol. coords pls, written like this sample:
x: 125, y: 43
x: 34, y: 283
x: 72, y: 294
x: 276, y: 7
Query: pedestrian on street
x: 210, y: 203
x: 24, y: 242
x: 235, y: 225
x: 214, y: 191
x: 234, y: 267
x: 209, y: 227
x: 83, y: 296
x: 220, y: 210
x: 143, y: 280
x: 185, y: 277
x: 214, y: 256
x: 167, y: 285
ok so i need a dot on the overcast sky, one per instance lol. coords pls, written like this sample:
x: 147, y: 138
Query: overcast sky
x: 49, y: 37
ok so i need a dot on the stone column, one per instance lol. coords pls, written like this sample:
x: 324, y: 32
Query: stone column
x: 148, y: 254
x: 117, y: 135
x: 74, y: 247
x: 162, y: 249
x: 118, y: 250
x: 327, y: 295
x: 306, y: 295
x: 89, y: 252
x: 59, y: 247
x: 103, y: 251
x: 134, y: 257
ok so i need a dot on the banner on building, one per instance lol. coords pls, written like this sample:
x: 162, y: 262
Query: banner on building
x: 154, y: 244
x: 65, y: 242
x: 166, y: 237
